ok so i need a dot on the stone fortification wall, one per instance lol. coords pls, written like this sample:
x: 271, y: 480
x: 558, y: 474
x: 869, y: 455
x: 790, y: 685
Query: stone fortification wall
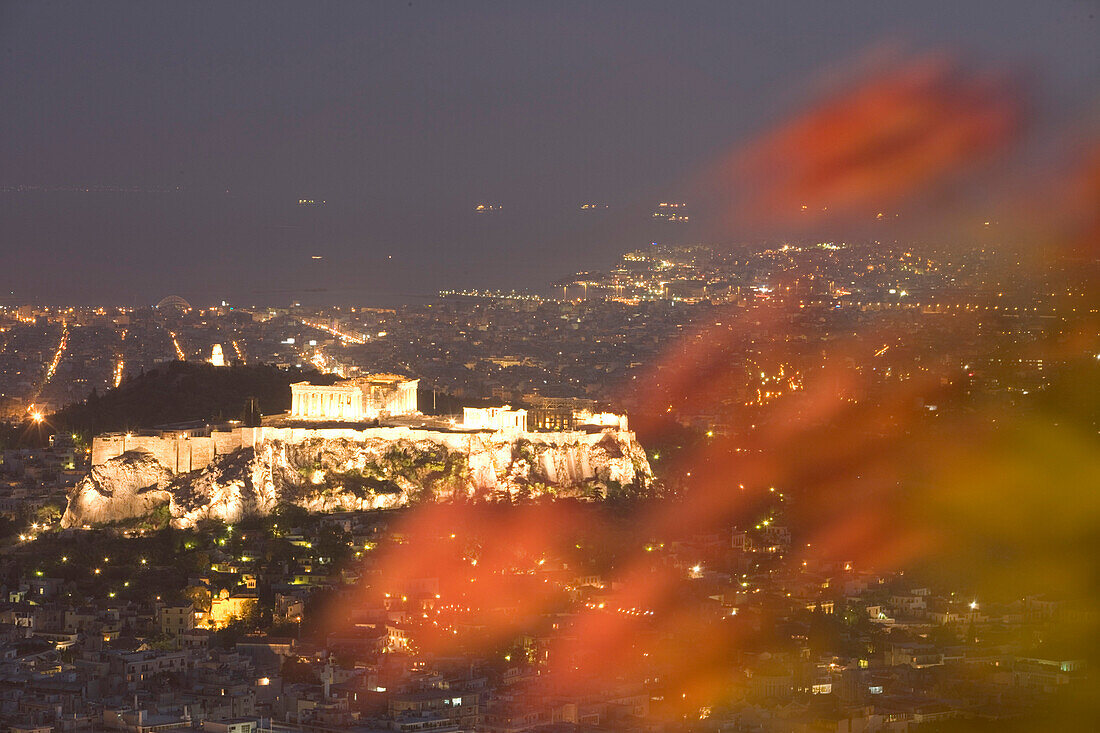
x: 225, y: 442
x: 177, y: 454
x: 186, y: 454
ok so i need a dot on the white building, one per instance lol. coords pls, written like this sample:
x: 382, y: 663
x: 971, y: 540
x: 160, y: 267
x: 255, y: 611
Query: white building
x: 494, y: 418
x: 600, y: 419
x: 354, y: 400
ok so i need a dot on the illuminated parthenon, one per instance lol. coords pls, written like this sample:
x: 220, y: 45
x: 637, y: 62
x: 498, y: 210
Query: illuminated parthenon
x: 352, y: 400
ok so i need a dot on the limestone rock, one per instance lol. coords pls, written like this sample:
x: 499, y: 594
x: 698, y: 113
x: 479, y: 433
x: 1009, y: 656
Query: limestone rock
x: 325, y: 474
x: 131, y: 485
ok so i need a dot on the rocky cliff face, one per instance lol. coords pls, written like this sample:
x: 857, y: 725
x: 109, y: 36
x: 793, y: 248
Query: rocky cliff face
x: 322, y: 474
x: 131, y: 485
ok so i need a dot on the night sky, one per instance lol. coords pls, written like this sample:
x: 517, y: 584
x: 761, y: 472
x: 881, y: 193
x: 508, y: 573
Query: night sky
x: 199, y: 126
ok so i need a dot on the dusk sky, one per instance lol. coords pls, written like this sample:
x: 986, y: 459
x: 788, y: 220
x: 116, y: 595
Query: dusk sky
x: 202, y: 124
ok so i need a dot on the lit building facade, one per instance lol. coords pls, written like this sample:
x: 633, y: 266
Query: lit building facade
x: 226, y: 608
x: 354, y: 400
x: 570, y: 413
x: 494, y: 418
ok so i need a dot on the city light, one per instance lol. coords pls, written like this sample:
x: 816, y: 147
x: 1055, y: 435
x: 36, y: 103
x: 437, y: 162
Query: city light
x: 176, y: 345
x: 873, y: 286
x: 342, y: 335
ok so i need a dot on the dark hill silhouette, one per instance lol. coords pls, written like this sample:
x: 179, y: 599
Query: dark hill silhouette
x: 178, y: 392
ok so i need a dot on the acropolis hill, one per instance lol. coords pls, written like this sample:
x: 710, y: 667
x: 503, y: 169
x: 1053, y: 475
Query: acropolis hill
x: 324, y: 456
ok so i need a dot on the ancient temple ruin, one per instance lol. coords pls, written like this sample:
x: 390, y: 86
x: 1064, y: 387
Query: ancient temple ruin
x: 354, y: 400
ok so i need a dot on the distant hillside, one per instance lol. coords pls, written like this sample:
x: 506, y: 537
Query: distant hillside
x: 182, y: 392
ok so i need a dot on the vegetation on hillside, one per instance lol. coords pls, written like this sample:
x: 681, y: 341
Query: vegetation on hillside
x: 179, y: 392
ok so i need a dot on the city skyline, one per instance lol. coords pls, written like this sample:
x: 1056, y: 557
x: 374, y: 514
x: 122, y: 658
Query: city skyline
x: 514, y: 367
